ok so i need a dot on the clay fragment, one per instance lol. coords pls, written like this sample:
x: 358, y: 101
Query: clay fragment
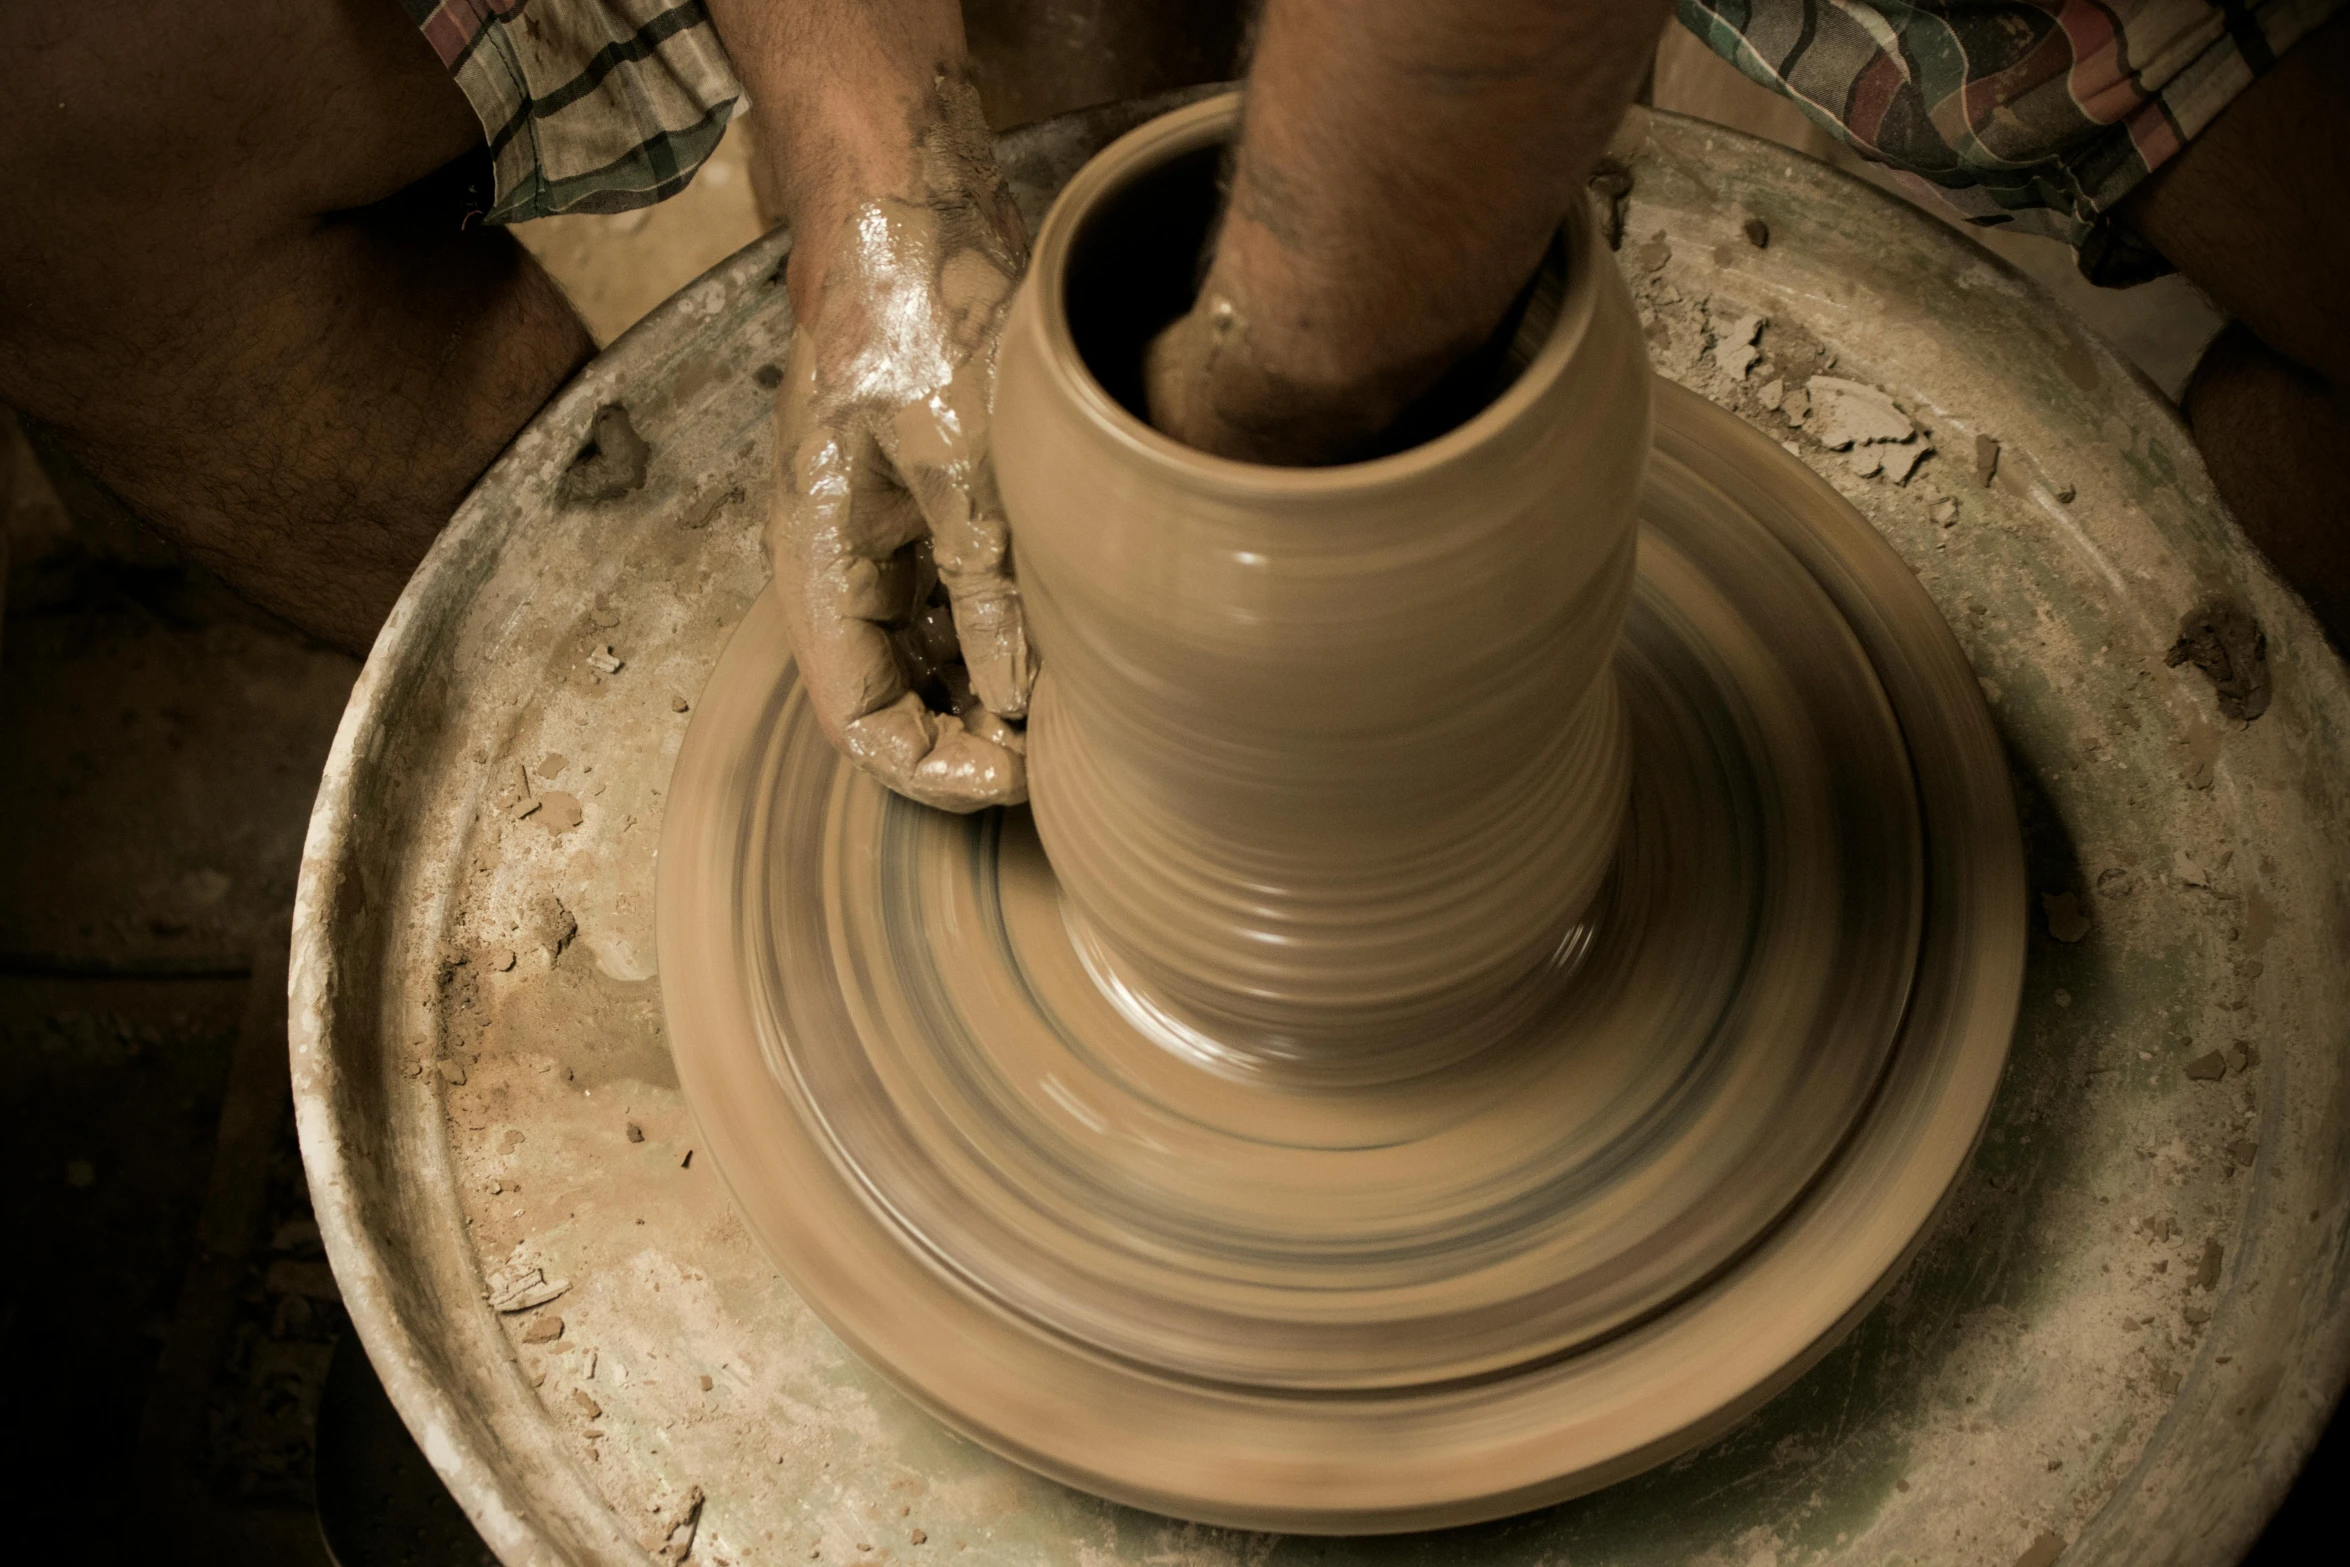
x: 1986, y: 459
x: 587, y: 1406
x: 2066, y: 922
x: 2209, y: 1067
x: 552, y: 925
x: 680, y: 1542
x: 1735, y: 332
x: 543, y: 1330
x: 612, y: 463
x: 2043, y: 1551
x: 454, y: 1072
x: 606, y: 660
x: 1849, y: 413
x: 2207, y: 1268
x: 718, y: 503
x: 2228, y: 646
x: 1611, y: 182
x: 2244, y: 1150
x: 636, y: 1133
x: 1946, y: 513
x: 526, y: 1290
x: 1758, y: 233
x: 562, y: 811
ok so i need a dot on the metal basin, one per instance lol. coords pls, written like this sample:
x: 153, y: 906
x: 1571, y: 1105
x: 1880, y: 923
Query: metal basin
x: 2123, y: 1336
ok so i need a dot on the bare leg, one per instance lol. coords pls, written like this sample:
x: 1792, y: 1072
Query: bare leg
x: 231, y: 295
x: 2257, y: 212
x: 2275, y: 438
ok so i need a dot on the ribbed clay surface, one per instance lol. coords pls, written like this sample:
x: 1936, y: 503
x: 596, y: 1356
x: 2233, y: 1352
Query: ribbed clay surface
x: 1328, y: 760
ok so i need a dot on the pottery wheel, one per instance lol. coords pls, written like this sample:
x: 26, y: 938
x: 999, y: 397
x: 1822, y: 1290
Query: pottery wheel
x: 2120, y: 1336
x: 1107, y: 1250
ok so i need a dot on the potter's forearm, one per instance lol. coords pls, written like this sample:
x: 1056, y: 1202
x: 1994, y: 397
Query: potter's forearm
x: 1402, y: 167
x: 841, y: 92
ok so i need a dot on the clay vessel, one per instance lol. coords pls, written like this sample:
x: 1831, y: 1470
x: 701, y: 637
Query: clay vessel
x: 1329, y: 761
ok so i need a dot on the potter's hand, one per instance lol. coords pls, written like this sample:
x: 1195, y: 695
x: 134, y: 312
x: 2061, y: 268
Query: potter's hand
x: 887, y: 536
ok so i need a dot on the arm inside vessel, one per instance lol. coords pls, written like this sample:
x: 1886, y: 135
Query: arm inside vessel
x: 1401, y: 169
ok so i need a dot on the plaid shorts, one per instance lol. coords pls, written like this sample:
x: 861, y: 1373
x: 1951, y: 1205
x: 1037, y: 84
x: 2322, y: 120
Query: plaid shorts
x: 2038, y: 113
x: 585, y: 105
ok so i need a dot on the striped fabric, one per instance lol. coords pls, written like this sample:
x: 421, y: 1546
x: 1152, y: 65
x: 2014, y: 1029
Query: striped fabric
x: 586, y: 105
x: 2038, y: 113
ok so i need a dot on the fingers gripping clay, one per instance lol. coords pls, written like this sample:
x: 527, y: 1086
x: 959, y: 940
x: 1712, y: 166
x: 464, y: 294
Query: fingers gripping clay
x: 888, y: 540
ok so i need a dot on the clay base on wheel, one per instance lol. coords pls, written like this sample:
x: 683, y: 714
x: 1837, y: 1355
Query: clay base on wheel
x: 1706, y: 1143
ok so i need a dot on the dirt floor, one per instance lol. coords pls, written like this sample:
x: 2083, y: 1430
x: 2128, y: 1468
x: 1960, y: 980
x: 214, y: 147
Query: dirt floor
x: 169, y: 1328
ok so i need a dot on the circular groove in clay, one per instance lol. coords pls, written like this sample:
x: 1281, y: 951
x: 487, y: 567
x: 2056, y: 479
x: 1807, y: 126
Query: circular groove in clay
x: 1587, y: 1249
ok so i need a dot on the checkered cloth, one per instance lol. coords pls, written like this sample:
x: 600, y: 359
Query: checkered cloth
x: 586, y: 105
x: 2038, y: 113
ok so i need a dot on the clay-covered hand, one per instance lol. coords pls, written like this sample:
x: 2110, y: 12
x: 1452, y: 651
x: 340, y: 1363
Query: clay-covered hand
x: 887, y: 537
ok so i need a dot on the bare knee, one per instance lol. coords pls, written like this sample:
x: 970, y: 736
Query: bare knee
x: 2242, y: 387
x: 250, y: 112
x: 151, y: 199
x: 2272, y: 432
x: 2256, y: 210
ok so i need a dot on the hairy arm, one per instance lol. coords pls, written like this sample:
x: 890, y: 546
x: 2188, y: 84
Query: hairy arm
x: 1402, y: 165
x: 842, y: 92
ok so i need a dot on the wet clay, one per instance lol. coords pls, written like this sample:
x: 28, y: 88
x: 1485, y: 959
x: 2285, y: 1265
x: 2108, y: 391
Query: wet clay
x: 1227, y: 1296
x: 1329, y: 761
x: 1059, y: 1148
x: 888, y: 539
